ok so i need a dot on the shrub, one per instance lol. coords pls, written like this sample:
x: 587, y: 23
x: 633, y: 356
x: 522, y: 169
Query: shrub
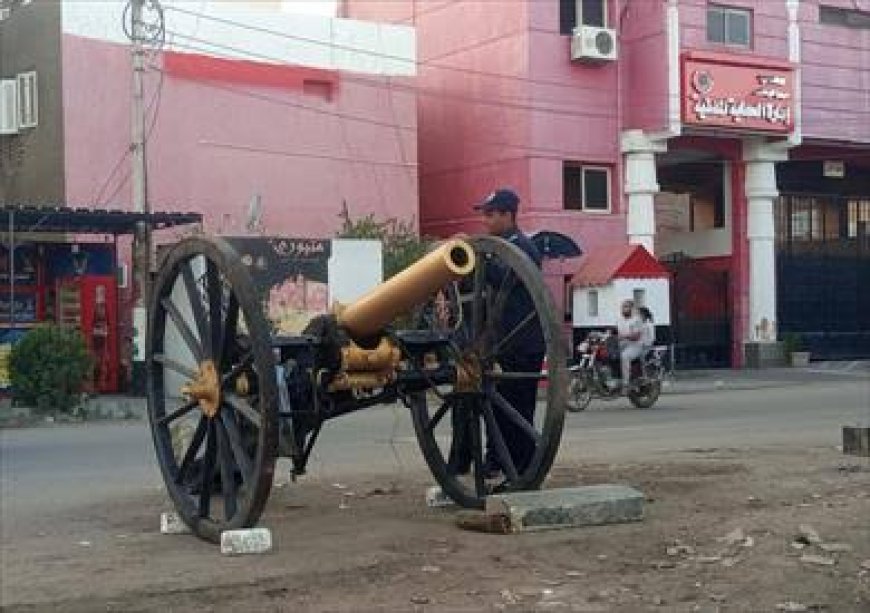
x: 48, y: 368
x: 402, y: 245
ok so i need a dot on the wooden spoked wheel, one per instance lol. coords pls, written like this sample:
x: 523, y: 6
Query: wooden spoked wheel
x: 211, y: 388
x: 466, y: 430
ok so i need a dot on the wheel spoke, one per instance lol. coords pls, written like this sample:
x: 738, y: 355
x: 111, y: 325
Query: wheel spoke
x: 214, y: 295
x: 183, y: 410
x: 190, y: 454
x: 512, y: 414
x: 244, y: 363
x: 195, y: 298
x: 477, y: 457
x: 235, y: 439
x: 183, y: 329
x: 230, y: 327
x: 439, y: 415
x: 228, y: 473
x: 208, y: 471
x: 493, y: 432
x: 244, y: 408
x: 477, y: 298
x: 494, y: 374
x: 506, y: 340
x: 176, y: 366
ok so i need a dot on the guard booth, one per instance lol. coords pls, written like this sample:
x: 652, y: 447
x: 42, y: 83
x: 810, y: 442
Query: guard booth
x: 60, y: 265
x: 609, y: 275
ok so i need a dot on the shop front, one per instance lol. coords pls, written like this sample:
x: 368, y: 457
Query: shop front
x: 51, y: 274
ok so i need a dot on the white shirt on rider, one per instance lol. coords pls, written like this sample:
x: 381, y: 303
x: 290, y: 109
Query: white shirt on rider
x: 630, y: 326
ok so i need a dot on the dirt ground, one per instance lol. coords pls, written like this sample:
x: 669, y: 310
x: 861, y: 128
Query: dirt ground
x: 719, y: 535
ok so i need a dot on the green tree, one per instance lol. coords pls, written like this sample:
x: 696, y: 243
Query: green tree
x: 402, y: 245
x: 48, y: 368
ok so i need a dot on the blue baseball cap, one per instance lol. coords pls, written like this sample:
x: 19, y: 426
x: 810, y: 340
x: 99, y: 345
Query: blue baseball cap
x: 502, y: 200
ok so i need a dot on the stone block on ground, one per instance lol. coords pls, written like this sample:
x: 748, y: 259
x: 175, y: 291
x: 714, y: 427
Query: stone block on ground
x: 246, y: 541
x: 171, y: 523
x: 591, y: 505
x: 856, y: 440
x: 435, y: 497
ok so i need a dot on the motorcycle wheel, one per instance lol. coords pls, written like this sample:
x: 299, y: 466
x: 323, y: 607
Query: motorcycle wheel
x: 646, y: 395
x: 579, y: 394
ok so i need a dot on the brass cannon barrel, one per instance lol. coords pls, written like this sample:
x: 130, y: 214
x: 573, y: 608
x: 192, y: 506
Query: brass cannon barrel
x: 411, y: 287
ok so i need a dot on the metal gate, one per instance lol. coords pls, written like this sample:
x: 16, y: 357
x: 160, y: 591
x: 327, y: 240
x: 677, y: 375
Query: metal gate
x: 823, y: 273
x: 700, y: 314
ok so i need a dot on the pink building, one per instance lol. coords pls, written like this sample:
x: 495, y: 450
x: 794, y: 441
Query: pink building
x: 265, y: 121
x: 730, y: 138
x: 262, y: 120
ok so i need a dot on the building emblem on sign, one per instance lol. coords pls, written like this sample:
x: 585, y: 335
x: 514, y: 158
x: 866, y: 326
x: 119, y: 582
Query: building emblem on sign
x: 720, y: 92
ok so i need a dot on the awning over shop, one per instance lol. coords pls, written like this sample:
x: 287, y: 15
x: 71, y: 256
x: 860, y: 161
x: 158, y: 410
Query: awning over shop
x: 17, y: 218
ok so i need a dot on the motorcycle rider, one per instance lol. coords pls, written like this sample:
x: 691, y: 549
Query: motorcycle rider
x: 630, y: 332
x: 649, y: 328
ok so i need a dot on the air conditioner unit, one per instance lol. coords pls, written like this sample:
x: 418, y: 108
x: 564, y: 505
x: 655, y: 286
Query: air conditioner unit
x: 593, y: 44
x: 8, y: 106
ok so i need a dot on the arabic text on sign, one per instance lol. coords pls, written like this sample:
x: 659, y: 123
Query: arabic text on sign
x: 739, y: 110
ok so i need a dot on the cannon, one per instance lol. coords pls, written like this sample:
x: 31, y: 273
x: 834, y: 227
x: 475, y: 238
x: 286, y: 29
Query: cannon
x: 228, y: 395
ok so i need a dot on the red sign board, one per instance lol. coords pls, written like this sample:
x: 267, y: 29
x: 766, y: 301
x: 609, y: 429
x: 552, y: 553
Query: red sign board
x: 722, y: 91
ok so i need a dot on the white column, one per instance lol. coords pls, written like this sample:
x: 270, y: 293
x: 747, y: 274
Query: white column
x: 761, y: 191
x: 641, y: 186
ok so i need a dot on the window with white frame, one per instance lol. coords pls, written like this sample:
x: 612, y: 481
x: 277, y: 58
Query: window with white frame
x: 639, y: 297
x: 585, y: 188
x: 574, y: 13
x: 8, y: 106
x: 28, y: 100
x: 568, y: 294
x: 729, y: 26
x: 592, y: 303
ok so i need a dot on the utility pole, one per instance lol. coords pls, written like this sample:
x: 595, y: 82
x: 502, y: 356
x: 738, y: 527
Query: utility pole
x: 142, y: 237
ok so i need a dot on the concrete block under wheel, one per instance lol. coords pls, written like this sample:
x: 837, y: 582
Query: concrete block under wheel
x: 856, y: 440
x: 171, y: 523
x: 591, y: 505
x: 250, y: 540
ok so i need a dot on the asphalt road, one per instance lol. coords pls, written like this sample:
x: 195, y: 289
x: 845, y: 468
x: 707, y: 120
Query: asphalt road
x: 66, y: 466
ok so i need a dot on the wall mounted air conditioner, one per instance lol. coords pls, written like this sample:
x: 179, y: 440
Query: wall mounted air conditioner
x: 8, y: 106
x: 593, y: 44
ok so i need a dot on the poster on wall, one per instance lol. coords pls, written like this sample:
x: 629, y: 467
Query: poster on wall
x: 291, y: 276
x: 672, y: 212
x: 25, y: 264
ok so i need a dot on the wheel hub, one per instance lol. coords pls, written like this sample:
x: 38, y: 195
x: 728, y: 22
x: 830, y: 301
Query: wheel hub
x: 469, y: 373
x: 205, y: 389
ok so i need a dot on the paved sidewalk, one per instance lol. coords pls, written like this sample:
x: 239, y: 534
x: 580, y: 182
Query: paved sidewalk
x: 696, y: 381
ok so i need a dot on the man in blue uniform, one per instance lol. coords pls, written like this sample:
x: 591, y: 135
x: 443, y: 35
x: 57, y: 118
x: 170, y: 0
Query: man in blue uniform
x: 525, y: 352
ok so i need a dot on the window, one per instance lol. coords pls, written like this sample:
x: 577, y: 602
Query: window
x: 639, y: 297
x: 568, y: 293
x: 850, y: 18
x: 592, y: 13
x: 592, y: 303
x: 729, y: 26
x: 586, y: 188
x: 28, y: 100
x: 8, y: 106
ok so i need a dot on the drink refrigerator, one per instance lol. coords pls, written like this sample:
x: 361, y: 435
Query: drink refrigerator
x: 89, y: 303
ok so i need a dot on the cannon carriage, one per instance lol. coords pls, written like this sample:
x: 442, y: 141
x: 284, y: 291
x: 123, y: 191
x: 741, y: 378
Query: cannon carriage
x: 228, y: 395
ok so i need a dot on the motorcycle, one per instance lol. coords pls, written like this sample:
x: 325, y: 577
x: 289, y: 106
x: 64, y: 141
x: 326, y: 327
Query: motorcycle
x: 594, y: 373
